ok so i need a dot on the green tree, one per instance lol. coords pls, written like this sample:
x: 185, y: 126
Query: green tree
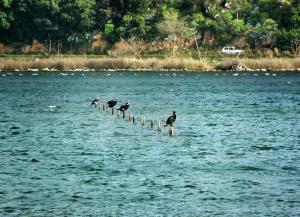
x: 267, y: 29
x: 32, y: 20
x: 289, y: 40
x: 5, y: 14
x: 172, y: 26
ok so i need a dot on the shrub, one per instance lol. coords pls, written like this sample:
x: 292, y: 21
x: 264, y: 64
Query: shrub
x: 226, y: 65
x: 268, y: 53
x: 287, y: 53
x: 127, y: 48
x: 276, y: 52
x: 5, y: 49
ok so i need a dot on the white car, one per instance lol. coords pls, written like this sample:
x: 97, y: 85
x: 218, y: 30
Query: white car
x: 231, y: 51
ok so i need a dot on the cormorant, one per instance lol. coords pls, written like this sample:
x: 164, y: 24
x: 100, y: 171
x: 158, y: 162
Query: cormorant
x: 95, y: 102
x: 111, y: 103
x: 124, y: 107
x: 171, y: 119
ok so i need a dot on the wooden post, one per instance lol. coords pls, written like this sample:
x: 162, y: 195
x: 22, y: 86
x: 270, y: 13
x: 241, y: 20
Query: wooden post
x: 171, y: 131
x: 151, y: 124
x: 159, y: 126
x: 143, y: 120
x: 133, y: 120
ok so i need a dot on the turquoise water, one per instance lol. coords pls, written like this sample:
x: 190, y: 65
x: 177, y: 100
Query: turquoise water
x: 235, y: 151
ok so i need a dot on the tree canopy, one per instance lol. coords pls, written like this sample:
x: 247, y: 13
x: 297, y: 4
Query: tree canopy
x: 72, y: 23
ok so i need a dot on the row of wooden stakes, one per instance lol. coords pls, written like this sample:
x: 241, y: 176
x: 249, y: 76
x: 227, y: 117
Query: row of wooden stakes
x: 132, y: 119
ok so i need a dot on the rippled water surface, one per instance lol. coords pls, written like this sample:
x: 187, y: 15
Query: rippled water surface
x: 235, y: 152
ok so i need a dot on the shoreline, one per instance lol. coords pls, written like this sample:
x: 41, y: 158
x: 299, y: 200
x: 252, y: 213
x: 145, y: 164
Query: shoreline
x: 146, y: 70
x: 108, y: 64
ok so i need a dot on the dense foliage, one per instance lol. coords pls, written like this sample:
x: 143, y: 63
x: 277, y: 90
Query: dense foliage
x: 70, y: 24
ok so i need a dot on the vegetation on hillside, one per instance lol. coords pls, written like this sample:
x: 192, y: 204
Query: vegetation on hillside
x: 147, y: 26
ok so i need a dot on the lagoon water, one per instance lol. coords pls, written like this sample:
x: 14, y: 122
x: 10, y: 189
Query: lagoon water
x: 235, y: 152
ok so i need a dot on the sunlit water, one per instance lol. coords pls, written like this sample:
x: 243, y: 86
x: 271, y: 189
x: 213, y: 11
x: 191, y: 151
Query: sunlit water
x: 235, y: 152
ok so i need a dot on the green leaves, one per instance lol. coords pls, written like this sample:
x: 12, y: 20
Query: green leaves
x: 171, y: 24
x: 109, y: 28
x: 60, y: 20
x: 5, y: 3
x: 238, y: 26
x: 5, y: 14
x: 295, y: 16
x: 197, y: 20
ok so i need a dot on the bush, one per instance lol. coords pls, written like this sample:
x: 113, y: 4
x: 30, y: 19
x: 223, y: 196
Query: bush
x: 35, y: 47
x: 276, y: 52
x: 226, y: 65
x: 287, y: 53
x: 5, y: 49
x: 127, y: 48
x: 268, y: 53
x: 99, y: 44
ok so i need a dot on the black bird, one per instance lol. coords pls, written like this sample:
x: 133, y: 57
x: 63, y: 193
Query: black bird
x: 124, y: 107
x: 111, y: 103
x: 95, y: 102
x: 171, y: 119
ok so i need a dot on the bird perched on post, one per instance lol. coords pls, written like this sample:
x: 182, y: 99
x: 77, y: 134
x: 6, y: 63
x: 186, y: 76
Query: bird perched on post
x: 111, y: 103
x: 123, y: 107
x: 170, y: 121
x: 95, y: 102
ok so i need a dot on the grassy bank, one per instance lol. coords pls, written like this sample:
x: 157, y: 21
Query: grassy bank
x: 81, y: 63
x: 107, y: 63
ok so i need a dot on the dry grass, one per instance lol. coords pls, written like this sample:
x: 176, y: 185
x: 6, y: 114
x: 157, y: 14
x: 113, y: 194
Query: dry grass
x: 127, y: 48
x: 35, y: 47
x: 5, y: 49
x: 99, y: 44
x: 272, y: 63
x: 226, y: 65
x: 69, y: 64
x: 261, y: 63
x: 155, y: 64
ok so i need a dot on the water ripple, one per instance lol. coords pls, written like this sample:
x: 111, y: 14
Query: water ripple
x: 235, y: 151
